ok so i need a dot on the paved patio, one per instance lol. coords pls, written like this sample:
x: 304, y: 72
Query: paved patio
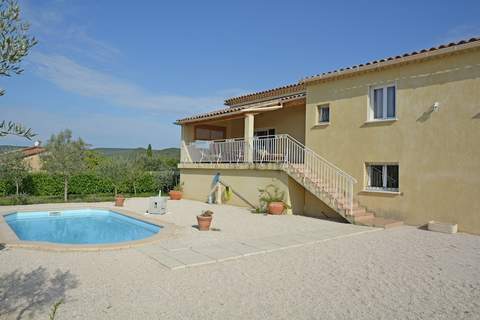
x: 255, y: 267
x: 236, y: 232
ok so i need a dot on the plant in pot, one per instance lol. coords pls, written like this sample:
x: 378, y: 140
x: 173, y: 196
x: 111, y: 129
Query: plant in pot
x: 177, y: 192
x: 119, y: 200
x: 273, y: 200
x: 204, y: 220
x: 114, y: 170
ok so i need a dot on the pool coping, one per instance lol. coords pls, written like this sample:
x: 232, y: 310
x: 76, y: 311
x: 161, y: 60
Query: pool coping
x: 10, y: 239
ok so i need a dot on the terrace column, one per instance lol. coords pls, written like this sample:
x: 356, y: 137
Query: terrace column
x: 185, y: 139
x: 248, y: 136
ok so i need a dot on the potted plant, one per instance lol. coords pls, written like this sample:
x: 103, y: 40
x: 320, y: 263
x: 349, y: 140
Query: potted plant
x: 119, y: 200
x: 273, y: 200
x: 177, y: 192
x: 204, y: 220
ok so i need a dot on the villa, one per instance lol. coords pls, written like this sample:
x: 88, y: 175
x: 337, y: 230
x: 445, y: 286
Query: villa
x: 31, y: 156
x: 389, y: 141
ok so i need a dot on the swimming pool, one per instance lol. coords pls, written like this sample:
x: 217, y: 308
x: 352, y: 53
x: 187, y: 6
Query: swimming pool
x: 85, y: 226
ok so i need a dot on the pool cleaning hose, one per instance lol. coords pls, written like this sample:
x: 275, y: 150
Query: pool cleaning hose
x: 229, y: 190
x: 228, y: 193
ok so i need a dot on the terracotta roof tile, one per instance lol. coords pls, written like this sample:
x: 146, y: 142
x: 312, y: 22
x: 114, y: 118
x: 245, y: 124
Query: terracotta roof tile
x: 358, y: 67
x: 31, y: 151
x: 211, y: 114
x: 270, y: 93
x: 228, y: 110
x: 299, y: 88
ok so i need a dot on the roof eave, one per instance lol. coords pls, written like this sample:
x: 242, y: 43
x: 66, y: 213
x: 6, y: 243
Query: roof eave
x: 247, y: 108
x: 391, y: 63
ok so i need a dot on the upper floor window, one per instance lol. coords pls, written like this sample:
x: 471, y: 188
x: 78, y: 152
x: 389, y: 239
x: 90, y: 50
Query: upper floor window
x: 383, y: 102
x: 207, y: 132
x: 323, y: 113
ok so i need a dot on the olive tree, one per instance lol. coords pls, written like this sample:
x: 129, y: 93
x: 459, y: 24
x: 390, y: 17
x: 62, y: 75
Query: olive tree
x: 13, y: 168
x: 15, y: 44
x: 135, y: 169
x: 15, y: 129
x: 64, y: 157
x: 115, y: 171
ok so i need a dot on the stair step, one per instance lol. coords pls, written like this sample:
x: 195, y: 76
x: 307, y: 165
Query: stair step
x: 366, y: 216
x: 361, y: 212
x: 345, y: 206
x: 381, y: 223
x: 337, y: 200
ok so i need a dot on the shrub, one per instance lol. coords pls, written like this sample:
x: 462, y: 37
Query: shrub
x: 89, y: 184
x: 42, y: 184
x: 5, y: 187
x: 147, y: 183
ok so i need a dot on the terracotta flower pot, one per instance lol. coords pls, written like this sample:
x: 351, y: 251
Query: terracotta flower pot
x: 276, y: 208
x: 175, y: 195
x: 204, y: 223
x: 119, y: 200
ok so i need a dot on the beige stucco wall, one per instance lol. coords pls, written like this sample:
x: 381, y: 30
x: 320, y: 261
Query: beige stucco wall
x: 438, y: 153
x: 289, y: 120
x: 198, y: 184
x: 34, y: 162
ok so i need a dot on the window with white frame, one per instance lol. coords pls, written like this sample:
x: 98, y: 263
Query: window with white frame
x: 323, y: 114
x: 383, y: 177
x: 383, y: 102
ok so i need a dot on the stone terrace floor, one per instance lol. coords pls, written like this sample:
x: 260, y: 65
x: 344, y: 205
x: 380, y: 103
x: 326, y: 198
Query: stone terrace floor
x: 255, y: 267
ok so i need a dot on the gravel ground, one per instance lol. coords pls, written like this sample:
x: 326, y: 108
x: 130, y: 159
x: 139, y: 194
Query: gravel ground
x: 402, y: 273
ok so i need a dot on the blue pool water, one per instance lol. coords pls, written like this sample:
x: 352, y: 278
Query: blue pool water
x: 87, y: 226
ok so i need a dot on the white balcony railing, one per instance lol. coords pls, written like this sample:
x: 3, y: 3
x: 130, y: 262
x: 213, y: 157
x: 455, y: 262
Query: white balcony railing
x: 311, y: 170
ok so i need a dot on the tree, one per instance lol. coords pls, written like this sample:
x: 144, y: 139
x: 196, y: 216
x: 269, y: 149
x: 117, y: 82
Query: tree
x: 16, y: 129
x: 135, y: 169
x: 13, y: 168
x: 64, y: 157
x: 149, y: 151
x: 15, y: 44
x: 115, y: 171
x: 94, y: 160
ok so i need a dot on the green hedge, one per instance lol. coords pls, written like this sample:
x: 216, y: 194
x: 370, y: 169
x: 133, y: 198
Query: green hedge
x: 89, y: 184
x: 44, y: 184
x: 13, y: 200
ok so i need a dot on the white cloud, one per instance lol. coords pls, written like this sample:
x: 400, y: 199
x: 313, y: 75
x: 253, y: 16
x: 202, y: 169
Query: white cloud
x: 73, y: 77
x: 100, y: 130
x: 52, y: 26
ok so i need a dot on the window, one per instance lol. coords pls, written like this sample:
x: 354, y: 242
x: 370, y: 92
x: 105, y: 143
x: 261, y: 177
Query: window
x: 383, y: 103
x: 264, y: 132
x: 382, y: 177
x: 206, y: 132
x: 324, y: 113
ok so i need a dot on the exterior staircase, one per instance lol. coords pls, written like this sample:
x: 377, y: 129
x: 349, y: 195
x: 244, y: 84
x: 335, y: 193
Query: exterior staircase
x: 331, y: 185
x: 357, y: 214
x: 323, y: 179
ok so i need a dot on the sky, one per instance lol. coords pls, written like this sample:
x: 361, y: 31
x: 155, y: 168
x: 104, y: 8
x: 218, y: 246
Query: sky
x: 118, y: 73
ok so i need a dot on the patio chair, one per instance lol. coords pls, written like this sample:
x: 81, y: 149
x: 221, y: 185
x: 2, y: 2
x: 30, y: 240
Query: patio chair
x: 206, y: 156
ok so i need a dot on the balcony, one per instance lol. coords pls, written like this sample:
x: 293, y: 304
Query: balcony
x: 277, y: 149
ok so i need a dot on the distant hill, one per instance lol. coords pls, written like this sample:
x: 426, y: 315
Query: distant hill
x: 173, y: 153
x: 4, y: 148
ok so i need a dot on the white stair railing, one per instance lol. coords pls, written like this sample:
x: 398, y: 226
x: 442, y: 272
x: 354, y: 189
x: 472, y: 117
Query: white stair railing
x: 315, y: 173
